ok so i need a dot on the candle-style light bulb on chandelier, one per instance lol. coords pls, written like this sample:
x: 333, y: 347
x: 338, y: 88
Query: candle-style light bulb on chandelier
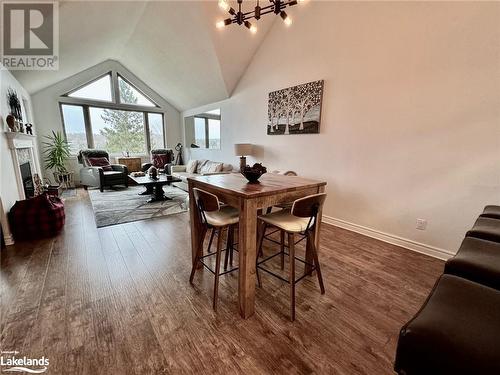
x: 242, y: 18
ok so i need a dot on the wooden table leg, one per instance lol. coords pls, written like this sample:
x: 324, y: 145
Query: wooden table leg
x: 247, y: 253
x: 194, y: 224
x: 317, y: 230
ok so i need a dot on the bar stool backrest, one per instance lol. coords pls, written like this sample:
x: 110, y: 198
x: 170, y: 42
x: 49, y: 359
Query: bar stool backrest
x: 308, y: 207
x: 206, y: 201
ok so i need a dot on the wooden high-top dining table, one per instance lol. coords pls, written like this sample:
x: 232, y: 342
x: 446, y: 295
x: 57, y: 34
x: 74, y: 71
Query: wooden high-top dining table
x: 233, y: 189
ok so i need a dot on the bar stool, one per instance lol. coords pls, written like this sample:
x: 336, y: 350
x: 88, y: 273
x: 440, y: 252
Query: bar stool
x: 288, y: 205
x: 213, y: 216
x: 300, y: 219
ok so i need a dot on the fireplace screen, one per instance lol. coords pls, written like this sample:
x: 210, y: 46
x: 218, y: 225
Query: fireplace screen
x: 26, y: 168
x: 29, y: 190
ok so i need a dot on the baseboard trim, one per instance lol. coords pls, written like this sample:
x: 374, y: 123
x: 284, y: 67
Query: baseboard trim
x: 8, y: 239
x: 390, y: 238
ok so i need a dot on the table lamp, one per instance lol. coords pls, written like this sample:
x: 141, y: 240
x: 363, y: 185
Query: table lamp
x: 242, y: 150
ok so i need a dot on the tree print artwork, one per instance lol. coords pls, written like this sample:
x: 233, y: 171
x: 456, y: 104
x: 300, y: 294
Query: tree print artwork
x: 295, y: 110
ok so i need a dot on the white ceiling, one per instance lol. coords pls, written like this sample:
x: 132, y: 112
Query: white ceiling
x: 173, y: 46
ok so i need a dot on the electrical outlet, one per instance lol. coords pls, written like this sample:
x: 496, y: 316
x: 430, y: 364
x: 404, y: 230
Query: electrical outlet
x: 421, y: 224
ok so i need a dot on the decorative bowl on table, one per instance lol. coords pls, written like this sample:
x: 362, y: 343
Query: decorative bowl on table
x: 252, y: 174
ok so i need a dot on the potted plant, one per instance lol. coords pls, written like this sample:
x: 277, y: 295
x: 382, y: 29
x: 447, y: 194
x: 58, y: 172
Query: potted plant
x: 57, y: 152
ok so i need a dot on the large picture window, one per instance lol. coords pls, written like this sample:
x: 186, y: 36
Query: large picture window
x: 130, y: 124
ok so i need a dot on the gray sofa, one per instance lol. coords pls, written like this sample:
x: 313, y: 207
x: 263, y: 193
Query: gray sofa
x: 96, y: 176
x: 180, y: 172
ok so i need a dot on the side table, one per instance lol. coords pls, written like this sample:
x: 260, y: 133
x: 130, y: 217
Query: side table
x: 132, y: 163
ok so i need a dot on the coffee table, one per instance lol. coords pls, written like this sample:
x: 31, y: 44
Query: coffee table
x: 157, y: 185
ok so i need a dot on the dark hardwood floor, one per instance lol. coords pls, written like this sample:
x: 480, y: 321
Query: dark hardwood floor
x: 117, y: 300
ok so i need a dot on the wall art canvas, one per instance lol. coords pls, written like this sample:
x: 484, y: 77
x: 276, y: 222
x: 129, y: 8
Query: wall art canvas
x: 295, y: 110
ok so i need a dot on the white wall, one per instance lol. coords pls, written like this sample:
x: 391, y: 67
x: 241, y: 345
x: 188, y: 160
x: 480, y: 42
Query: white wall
x: 411, y: 114
x: 9, y: 192
x: 46, y: 105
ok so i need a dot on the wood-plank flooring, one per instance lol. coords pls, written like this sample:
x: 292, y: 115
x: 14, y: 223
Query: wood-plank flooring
x: 117, y: 300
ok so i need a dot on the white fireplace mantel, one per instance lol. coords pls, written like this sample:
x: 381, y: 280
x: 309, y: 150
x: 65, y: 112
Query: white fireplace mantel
x: 20, y: 140
x: 16, y: 141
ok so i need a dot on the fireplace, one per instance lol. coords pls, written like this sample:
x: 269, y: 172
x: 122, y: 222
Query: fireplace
x: 23, y: 149
x: 27, y: 178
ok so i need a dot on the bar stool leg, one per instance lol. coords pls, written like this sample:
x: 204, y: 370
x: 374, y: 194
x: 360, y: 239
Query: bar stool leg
x: 217, y: 267
x: 231, y: 247
x: 316, y: 263
x: 282, y: 248
x: 291, y: 250
x: 210, y: 242
x: 199, y: 252
x: 260, y: 240
x: 228, y: 244
x: 262, y: 231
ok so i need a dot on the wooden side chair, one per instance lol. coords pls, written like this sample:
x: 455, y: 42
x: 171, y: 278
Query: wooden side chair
x: 218, y: 218
x: 299, y: 220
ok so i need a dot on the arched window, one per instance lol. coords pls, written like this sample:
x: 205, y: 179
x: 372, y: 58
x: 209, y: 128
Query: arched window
x: 113, y: 114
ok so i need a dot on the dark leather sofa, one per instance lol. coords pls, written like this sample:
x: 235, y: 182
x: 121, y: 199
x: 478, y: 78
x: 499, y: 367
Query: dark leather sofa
x: 457, y: 330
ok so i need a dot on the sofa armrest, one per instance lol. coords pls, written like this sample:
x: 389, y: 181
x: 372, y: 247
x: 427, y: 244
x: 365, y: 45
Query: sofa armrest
x: 120, y: 168
x: 177, y: 168
x: 146, y: 166
x: 90, y: 176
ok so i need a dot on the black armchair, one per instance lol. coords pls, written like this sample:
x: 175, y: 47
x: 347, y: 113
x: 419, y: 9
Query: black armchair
x: 164, y: 166
x: 96, y: 176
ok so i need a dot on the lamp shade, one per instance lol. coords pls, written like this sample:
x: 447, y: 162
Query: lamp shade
x: 243, y: 149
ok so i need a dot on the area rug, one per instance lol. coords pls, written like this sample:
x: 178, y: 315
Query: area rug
x: 68, y: 193
x: 122, y: 205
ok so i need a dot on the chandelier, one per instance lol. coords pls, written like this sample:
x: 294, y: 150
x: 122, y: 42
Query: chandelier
x: 242, y: 18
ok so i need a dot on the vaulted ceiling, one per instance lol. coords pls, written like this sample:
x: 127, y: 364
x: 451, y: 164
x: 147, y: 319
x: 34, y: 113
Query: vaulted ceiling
x: 173, y: 46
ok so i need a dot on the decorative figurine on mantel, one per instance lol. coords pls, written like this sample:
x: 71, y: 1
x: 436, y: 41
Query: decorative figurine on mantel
x: 29, y: 129
x: 11, y: 123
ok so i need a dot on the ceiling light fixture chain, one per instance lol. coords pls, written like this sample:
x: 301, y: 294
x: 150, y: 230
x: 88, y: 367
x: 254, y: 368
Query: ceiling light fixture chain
x: 242, y: 18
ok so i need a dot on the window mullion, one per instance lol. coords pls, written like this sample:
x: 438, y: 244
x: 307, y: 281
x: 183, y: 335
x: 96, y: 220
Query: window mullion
x: 164, y: 127
x: 207, y: 135
x: 147, y: 135
x: 115, y: 87
x: 88, y: 126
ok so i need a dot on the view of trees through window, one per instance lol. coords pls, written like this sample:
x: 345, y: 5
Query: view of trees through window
x: 115, y: 130
x: 74, y: 124
x: 118, y: 131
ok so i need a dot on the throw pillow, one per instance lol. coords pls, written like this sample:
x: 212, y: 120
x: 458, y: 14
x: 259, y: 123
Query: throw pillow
x: 100, y: 162
x: 191, y: 166
x: 200, y: 165
x: 159, y: 160
x: 211, y: 167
